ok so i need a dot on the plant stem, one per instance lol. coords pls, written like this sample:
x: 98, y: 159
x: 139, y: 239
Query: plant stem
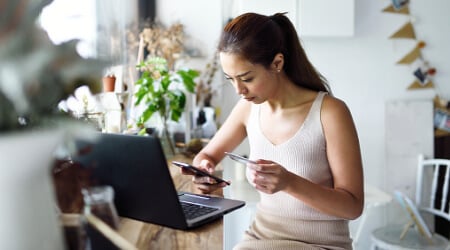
x: 167, y: 135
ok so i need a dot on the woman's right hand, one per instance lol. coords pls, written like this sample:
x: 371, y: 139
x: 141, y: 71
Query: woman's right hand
x: 204, y: 184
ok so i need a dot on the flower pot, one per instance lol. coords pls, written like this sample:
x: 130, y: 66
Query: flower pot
x: 109, y: 83
x: 28, y: 214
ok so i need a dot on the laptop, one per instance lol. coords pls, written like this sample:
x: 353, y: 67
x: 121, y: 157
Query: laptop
x: 136, y: 167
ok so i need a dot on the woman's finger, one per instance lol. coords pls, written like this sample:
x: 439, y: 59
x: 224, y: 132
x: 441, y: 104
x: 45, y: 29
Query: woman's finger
x: 203, y: 180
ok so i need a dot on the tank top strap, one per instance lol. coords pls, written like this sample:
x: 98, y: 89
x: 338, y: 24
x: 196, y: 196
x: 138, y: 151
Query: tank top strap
x: 317, y: 104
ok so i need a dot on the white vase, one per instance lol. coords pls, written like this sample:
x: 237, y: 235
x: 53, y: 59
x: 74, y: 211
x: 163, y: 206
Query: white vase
x: 28, y: 214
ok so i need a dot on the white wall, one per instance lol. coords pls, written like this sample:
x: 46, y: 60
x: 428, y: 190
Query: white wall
x: 362, y: 70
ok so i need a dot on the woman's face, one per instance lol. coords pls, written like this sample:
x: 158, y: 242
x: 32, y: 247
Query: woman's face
x: 253, y: 82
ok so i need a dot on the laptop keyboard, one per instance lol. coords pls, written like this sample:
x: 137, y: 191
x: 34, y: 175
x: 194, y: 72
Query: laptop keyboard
x: 192, y: 211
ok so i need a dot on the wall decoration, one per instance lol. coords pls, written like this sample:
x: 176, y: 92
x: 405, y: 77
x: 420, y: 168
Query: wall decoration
x: 423, y: 77
x: 407, y: 31
x: 390, y: 8
x: 399, y: 4
x: 413, y: 55
x: 441, y: 116
x: 421, y: 71
x: 418, y: 85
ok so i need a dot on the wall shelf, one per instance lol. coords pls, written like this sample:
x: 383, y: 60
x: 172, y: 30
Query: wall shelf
x: 312, y: 18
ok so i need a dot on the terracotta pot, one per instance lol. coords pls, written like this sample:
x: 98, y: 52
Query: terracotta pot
x: 109, y: 83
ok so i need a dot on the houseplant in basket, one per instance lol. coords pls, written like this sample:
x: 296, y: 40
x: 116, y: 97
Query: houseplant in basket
x: 34, y: 76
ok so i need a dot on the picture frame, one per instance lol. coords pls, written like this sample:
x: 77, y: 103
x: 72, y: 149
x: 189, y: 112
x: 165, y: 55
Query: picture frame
x: 441, y: 119
x: 414, y: 214
x: 399, y: 4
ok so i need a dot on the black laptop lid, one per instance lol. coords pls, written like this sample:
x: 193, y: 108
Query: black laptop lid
x: 123, y: 162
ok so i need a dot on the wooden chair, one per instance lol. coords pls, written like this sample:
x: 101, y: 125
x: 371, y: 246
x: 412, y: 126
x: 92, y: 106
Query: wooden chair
x: 432, y: 196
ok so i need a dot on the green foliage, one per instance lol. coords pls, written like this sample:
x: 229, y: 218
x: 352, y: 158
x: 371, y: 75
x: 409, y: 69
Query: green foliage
x: 161, y: 90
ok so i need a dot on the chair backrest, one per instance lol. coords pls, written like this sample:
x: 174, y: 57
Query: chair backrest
x: 432, y: 186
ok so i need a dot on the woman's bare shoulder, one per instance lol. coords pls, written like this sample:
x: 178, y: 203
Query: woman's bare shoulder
x: 242, y: 108
x: 333, y: 104
x: 335, y: 110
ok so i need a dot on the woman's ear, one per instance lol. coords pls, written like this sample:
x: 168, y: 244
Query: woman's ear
x: 278, y: 62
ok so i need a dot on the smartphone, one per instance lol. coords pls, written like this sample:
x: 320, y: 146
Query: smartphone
x: 198, y: 171
x: 239, y: 158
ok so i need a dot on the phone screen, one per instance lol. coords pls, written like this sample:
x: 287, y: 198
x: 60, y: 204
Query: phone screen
x: 198, y: 171
x: 239, y: 158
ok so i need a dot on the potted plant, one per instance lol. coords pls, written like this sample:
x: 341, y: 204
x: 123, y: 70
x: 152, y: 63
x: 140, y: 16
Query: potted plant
x: 162, y: 91
x: 35, y: 75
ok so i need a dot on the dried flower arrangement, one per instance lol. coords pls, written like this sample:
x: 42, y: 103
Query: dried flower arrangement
x: 163, y: 42
x: 205, y: 89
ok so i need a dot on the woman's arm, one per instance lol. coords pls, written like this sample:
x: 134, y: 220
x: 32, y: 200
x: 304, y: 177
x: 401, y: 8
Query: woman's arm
x: 228, y: 137
x: 346, y: 198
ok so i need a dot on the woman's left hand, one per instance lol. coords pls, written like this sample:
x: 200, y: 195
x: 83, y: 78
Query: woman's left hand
x: 268, y: 176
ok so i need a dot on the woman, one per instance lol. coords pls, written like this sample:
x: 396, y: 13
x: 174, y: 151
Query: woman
x: 309, y: 169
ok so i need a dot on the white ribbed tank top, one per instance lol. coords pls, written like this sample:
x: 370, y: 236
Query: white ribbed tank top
x: 304, y: 154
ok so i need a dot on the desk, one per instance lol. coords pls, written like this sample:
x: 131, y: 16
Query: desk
x: 149, y: 236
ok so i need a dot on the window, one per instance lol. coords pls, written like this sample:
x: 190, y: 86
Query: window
x: 66, y: 20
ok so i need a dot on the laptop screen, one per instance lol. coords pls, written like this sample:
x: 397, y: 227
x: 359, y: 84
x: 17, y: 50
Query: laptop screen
x: 137, y: 170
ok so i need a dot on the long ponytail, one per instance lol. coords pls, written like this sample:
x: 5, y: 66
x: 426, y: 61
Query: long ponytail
x: 297, y: 65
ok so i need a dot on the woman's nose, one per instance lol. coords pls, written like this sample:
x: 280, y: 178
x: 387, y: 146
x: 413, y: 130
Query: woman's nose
x: 240, y: 89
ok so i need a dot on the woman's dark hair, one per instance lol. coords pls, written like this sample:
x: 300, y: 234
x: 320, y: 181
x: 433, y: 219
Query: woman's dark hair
x: 258, y: 38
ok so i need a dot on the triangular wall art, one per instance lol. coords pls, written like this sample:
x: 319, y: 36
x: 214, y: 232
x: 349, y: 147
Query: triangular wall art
x: 423, y: 74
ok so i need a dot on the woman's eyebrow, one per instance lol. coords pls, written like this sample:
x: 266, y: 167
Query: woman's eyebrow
x: 240, y: 75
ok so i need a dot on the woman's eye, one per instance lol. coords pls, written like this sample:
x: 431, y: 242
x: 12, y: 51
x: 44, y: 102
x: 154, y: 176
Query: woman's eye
x: 229, y: 79
x: 247, y: 80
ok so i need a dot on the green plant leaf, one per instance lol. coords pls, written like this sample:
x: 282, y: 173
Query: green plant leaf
x: 175, y: 115
x: 142, y: 131
x: 188, y: 77
x: 177, y: 104
x: 146, y: 115
x: 148, y: 82
x: 144, y: 75
x: 140, y: 94
x: 140, y: 65
x: 177, y: 99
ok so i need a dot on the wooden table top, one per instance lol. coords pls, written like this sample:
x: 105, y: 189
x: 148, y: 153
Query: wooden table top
x: 150, y: 236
